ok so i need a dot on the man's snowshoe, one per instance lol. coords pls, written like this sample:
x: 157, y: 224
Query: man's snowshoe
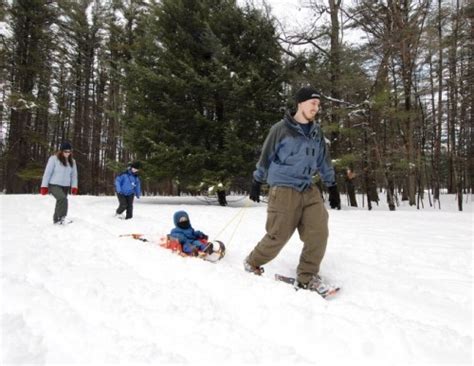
x: 316, y: 284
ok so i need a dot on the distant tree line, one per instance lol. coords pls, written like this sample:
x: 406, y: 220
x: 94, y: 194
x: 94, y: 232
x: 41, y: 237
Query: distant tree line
x: 192, y: 87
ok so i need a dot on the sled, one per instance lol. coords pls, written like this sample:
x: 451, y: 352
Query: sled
x: 168, y: 242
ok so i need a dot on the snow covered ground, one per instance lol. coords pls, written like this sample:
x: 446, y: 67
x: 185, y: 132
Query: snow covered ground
x: 81, y: 294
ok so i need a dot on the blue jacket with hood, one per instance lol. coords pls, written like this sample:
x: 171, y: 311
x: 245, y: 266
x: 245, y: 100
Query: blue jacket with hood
x: 128, y: 183
x: 290, y: 158
x: 187, y: 236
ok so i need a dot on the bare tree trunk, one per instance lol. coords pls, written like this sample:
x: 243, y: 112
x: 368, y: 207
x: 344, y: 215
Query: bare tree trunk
x: 437, y: 150
x: 335, y: 67
x: 96, y: 146
x: 469, y: 104
x: 28, y: 22
x: 434, y: 179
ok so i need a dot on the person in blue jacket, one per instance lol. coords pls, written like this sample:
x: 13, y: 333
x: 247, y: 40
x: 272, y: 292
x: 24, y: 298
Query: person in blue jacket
x: 189, y: 238
x: 128, y: 186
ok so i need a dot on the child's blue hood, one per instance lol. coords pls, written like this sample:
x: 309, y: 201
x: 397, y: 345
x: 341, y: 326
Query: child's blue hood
x: 178, y: 215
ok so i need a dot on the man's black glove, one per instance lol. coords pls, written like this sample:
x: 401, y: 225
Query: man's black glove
x: 255, y: 191
x: 334, y: 198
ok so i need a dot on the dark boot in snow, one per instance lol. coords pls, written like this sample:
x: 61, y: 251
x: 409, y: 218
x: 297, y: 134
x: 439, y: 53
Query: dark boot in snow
x: 249, y: 268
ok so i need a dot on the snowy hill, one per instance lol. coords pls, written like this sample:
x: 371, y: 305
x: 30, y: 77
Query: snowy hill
x: 81, y: 294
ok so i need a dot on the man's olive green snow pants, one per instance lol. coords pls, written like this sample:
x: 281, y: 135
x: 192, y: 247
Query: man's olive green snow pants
x: 288, y: 210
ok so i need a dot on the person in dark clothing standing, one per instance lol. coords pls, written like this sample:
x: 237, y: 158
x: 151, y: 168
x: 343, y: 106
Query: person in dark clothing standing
x: 128, y: 186
x: 221, y: 194
x: 293, y: 152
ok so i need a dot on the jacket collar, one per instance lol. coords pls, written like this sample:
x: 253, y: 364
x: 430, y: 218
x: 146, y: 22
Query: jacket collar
x: 292, y: 124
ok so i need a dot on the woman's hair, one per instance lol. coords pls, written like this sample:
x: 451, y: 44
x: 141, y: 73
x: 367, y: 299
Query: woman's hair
x: 64, y: 161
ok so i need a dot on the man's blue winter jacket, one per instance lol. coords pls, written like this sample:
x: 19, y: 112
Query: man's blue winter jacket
x: 128, y: 183
x: 290, y: 158
x: 188, y: 238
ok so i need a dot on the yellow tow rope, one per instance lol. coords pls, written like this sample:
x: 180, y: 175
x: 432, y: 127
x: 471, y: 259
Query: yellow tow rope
x: 241, y: 214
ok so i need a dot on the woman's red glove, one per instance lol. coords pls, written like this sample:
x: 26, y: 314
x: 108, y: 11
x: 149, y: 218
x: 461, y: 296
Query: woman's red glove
x: 74, y: 191
x: 44, y: 190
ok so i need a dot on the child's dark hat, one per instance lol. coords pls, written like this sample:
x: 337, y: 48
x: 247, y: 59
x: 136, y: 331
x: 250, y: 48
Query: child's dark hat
x: 136, y: 165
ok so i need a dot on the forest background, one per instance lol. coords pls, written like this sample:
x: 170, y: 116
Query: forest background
x: 191, y: 89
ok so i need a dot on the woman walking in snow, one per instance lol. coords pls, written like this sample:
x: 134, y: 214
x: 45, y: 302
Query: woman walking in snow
x: 59, y: 176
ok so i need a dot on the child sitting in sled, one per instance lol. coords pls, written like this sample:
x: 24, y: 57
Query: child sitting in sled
x: 193, y: 242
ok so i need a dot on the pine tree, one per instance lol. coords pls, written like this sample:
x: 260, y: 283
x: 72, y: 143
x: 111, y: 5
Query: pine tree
x: 30, y: 68
x: 204, y: 71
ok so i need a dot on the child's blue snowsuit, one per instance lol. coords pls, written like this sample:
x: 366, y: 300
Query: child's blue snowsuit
x: 184, y: 232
